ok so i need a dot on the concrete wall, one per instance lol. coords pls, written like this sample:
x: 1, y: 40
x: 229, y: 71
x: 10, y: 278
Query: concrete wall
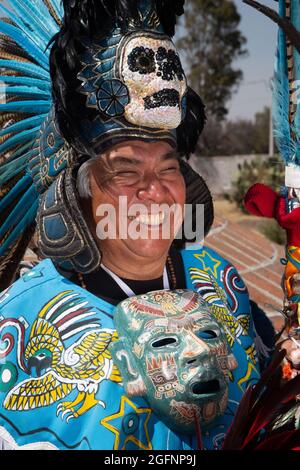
x: 220, y: 172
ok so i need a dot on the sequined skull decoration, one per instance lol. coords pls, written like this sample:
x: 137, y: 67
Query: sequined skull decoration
x: 137, y: 82
x: 151, y: 69
x: 174, y: 353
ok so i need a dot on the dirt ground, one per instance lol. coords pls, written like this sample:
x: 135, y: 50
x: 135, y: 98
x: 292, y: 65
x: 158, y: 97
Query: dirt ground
x: 229, y: 211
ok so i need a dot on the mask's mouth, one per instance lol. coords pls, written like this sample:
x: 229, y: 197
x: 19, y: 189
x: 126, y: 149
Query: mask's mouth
x: 165, y: 97
x: 206, y: 388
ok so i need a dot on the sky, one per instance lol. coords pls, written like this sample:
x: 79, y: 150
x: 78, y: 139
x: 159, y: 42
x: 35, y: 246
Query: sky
x: 261, y: 33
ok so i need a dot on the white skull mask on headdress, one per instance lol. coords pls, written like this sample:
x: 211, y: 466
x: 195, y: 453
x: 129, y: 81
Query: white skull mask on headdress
x: 151, y: 69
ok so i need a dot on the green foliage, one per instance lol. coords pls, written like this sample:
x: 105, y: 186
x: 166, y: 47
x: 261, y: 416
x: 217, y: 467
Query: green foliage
x: 269, y: 172
x: 211, y: 44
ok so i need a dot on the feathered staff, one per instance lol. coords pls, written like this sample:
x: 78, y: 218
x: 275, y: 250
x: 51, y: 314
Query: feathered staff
x: 268, y: 415
x: 262, y: 200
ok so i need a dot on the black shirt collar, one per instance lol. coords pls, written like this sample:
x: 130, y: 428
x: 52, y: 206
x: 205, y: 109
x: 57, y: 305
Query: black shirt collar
x: 101, y: 284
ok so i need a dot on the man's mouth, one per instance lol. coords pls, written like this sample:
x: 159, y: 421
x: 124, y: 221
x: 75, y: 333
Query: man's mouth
x: 152, y: 220
x: 206, y: 388
x: 165, y: 97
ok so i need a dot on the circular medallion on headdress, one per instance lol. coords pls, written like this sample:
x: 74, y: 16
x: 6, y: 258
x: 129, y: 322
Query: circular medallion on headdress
x: 112, y: 97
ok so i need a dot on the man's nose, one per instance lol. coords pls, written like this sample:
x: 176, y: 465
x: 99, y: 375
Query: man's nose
x: 151, y: 188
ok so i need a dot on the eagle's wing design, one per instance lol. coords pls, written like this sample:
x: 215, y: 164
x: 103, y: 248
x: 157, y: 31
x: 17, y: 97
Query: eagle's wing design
x: 93, y: 348
x: 37, y: 392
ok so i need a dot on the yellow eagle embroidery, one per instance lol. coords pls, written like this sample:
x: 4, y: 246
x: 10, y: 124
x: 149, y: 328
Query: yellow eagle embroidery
x: 60, y: 370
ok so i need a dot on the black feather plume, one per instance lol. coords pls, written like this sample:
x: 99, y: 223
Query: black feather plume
x: 167, y: 11
x: 190, y: 129
x: 90, y: 17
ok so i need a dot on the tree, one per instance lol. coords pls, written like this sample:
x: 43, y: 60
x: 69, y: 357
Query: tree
x: 210, y: 45
x: 240, y: 137
x: 261, y: 140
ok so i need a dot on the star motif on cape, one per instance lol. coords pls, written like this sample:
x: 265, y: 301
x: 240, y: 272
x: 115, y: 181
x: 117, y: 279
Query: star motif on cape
x: 114, y: 423
x: 209, y: 263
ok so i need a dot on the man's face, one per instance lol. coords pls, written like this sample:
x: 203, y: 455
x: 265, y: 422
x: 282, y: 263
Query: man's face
x: 147, y: 178
x: 183, y: 356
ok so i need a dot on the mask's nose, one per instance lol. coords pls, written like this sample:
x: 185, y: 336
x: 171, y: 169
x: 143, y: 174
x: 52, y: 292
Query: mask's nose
x: 195, y: 351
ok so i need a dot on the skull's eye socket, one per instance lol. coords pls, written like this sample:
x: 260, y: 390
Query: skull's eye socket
x: 160, y: 343
x: 142, y: 60
x: 207, y: 334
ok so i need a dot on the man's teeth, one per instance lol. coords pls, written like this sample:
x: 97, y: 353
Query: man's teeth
x: 152, y: 219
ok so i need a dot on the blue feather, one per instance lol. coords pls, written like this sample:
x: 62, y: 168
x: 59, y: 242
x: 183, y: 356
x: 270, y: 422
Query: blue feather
x: 9, y: 14
x: 26, y: 81
x: 20, y: 38
x: 13, y: 168
x: 28, y: 69
x: 19, y: 210
x: 19, y: 152
x: 19, y: 138
x: 35, y: 107
x: 23, y: 125
x: 58, y: 7
x: 21, y: 185
x: 29, y: 92
x: 27, y: 220
x: 32, y: 29
x: 286, y: 132
x: 44, y: 13
x: 295, y: 18
x: 39, y: 42
x: 28, y: 26
x: 43, y: 25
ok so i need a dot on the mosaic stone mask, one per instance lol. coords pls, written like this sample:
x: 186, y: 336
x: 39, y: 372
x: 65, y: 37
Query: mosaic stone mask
x: 173, y: 352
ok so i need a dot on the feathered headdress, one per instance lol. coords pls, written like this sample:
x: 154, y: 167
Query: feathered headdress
x: 75, y: 79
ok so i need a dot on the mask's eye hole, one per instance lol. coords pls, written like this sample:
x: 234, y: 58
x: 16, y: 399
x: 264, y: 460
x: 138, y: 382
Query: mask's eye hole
x: 160, y: 343
x: 207, y: 334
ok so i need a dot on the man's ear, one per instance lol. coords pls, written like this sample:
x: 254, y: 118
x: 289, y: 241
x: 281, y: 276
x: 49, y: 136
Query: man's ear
x: 126, y: 362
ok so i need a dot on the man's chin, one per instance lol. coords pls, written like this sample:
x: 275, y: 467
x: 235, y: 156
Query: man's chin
x: 149, y: 248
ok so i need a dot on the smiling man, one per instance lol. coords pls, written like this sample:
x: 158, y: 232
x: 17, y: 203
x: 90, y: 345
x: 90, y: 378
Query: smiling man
x: 148, y: 176
x: 121, y: 122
